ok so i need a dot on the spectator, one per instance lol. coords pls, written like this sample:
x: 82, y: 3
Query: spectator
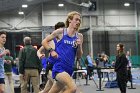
x: 8, y: 63
x: 29, y: 66
x: 90, y: 66
x: 113, y: 63
x: 121, y: 67
x: 16, y: 66
x: 129, y: 65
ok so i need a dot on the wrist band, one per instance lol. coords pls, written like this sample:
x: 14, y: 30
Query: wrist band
x: 50, y: 49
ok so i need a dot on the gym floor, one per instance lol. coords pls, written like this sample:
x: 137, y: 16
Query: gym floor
x: 91, y: 85
x: 91, y: 88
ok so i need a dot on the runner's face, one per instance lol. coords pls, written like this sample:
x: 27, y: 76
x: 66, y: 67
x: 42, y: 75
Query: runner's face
x: 2, y: 39
x: 76, y: 21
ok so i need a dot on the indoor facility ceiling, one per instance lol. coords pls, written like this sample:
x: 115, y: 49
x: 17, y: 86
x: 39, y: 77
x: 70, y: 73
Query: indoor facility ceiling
x: 13, y: 4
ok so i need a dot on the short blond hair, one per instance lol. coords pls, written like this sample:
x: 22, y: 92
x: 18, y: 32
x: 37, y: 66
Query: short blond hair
x: 70, y: 16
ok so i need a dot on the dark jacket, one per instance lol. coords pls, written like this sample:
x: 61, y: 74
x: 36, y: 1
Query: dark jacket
x: 28, y: 59
x: 121, y: 63
x: 8, y: 67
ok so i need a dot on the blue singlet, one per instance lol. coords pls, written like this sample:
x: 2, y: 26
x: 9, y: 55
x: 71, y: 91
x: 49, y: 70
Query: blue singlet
x: 66, y: 50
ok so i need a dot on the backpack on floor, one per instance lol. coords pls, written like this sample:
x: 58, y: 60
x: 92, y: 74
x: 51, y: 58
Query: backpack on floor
x: 111, y: 84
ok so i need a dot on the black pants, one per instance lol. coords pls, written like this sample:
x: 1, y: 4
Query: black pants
x: 129, y: 74
x: 100, y: 74
x: 89, y: 71
x: 122, y: 79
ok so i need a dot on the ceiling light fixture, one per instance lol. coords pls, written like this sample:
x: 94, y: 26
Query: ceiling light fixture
x: 29, y: 0
x: 126, y: 4
x: 60, y: 5
x: 24, y: 6
x: 20, y: 13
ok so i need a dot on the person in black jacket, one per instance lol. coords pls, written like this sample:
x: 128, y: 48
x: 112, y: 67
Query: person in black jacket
x: 121, y: 68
